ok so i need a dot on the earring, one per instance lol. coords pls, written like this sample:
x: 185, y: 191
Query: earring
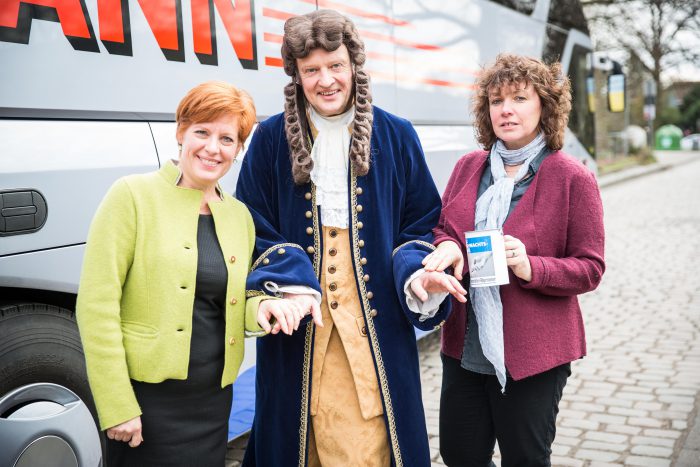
x: 179, y: 147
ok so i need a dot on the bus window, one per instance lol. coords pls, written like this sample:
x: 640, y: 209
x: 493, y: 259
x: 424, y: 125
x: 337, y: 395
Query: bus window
x: 581, y: 117
x: 523, y: 6
x: 554, y: 44
x: 567, y: 14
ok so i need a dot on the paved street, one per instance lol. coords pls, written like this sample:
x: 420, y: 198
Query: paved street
x: 634, y: 399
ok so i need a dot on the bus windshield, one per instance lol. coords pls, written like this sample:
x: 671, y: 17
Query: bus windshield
x: 581, y: 118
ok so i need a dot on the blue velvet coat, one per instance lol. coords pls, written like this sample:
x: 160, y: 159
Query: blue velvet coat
x: 393, y: 209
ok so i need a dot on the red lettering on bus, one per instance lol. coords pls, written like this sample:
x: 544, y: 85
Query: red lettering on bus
x: 16, y: 18
x: 70, y: 15
x: 164, y: 18
x: 239, y: 22
x: 111, y: 20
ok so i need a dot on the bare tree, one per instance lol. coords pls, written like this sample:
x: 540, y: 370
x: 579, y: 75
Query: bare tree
x: 661, y: 33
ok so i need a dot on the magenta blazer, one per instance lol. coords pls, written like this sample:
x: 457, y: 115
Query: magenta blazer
x: 560, y: 221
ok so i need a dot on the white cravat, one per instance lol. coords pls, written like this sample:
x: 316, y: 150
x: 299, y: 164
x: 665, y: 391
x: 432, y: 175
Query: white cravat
x: 330, y: 154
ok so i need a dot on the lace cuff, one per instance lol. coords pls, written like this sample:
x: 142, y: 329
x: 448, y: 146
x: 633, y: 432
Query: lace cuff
x: 428, y: 308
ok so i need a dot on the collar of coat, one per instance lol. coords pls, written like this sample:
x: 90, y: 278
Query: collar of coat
x: 172, y: 174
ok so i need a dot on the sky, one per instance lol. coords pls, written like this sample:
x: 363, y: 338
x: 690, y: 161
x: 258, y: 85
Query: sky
x: 687, y: 71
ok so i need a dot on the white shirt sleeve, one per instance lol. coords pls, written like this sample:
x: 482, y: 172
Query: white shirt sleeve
x: 428, y: 308
x: 294, y: 289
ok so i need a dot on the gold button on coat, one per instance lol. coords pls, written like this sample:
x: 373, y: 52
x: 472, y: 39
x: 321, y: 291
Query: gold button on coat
x: 281, y: 251
x: 308, y: 214
x: 373, y: 313
x: 232, y: 341
x: 363, y: 261
x: 333, y: 233
x: 359, y: 208
x: 370, y: 295
x: 332, y: 251
x: 307, y: 195
x: 358, y: 190
x: 310, y: 250
x: 361, y: 243
x: 333, y: 286
x: 331, y: 269
x: 365, y: 278
x: 232, y: 259
x: 334, y: 304
x: 360, y: 225
x: 234, y: 301
x: 266, y: 261
x: 309, y: 230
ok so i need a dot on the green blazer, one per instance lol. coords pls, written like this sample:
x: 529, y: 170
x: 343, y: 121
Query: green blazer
x: 136, y: 295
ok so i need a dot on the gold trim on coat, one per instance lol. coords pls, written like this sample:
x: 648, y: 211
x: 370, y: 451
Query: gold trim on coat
x: 305, y: 389
x: 381, y: 371
x: 254, y: 293
x: 270, y: 250
x: 317, y: 233
x: 310, y: 328
x: 420, y: 242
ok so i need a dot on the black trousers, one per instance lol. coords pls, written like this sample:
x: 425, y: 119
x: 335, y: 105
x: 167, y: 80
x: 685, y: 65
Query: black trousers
x: 474, y: 414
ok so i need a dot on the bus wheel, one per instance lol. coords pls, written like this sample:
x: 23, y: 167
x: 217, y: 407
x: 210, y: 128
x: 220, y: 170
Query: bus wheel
x: 40, y: 343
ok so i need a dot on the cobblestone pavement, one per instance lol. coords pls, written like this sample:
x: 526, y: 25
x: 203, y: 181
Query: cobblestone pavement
x: 634, y: 399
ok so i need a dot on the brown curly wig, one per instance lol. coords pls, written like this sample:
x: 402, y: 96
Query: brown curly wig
x: 549, y: 83
x: 326, y: 29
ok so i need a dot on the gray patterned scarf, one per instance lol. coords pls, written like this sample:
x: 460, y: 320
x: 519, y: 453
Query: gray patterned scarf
x: 491, y: 212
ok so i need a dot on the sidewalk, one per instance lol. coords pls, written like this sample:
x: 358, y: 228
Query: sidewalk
x: 689, y: 453
x: 634, y: 400
x: 665, y: 160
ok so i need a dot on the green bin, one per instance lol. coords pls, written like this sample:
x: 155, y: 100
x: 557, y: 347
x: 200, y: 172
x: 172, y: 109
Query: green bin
x: 668, y: 137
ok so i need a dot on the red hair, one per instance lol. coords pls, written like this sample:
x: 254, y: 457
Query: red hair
x: 211, y: 100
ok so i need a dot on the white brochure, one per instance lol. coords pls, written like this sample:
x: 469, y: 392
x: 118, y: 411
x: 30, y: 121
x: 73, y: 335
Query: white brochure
x: 486, y: 257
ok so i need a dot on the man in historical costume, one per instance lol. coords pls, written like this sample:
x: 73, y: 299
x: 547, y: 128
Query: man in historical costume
x: 343, y: 205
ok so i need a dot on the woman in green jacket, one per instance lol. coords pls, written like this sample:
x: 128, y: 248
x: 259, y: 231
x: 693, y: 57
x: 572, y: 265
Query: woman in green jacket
x: 162, y: 305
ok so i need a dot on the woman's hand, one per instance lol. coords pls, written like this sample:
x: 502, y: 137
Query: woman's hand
x: 432, y: 282
x: 287, y: 315
x: 308, y: 304
x: 129, y: 431
x: 516, y: 258
x: 446, y: 254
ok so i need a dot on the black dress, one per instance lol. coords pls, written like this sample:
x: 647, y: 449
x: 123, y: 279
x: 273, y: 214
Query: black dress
x: 185, y: 422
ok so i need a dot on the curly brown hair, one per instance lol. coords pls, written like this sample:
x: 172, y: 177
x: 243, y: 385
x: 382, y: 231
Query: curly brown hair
x: 549, y: 83
x: 328, y: 30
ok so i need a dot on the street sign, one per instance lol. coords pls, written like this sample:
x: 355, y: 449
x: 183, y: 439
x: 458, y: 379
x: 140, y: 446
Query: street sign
x: 650, y: 88
x: 649, y: 112
x: 616, y: 93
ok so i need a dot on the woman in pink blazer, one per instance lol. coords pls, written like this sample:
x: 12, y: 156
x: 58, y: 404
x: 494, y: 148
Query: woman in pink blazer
x: 506, y: 353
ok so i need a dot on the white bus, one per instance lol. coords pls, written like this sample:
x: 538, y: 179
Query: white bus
x: 88, y: 91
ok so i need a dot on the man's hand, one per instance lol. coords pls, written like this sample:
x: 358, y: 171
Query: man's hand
x: 446, y: 254
x: 432, y: 282
x: 287, y: 315
x: 308, y: 304
x: 129, y: 432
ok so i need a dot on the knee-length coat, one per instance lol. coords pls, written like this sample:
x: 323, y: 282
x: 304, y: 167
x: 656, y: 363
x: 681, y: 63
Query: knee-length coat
x: 393, y: 209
